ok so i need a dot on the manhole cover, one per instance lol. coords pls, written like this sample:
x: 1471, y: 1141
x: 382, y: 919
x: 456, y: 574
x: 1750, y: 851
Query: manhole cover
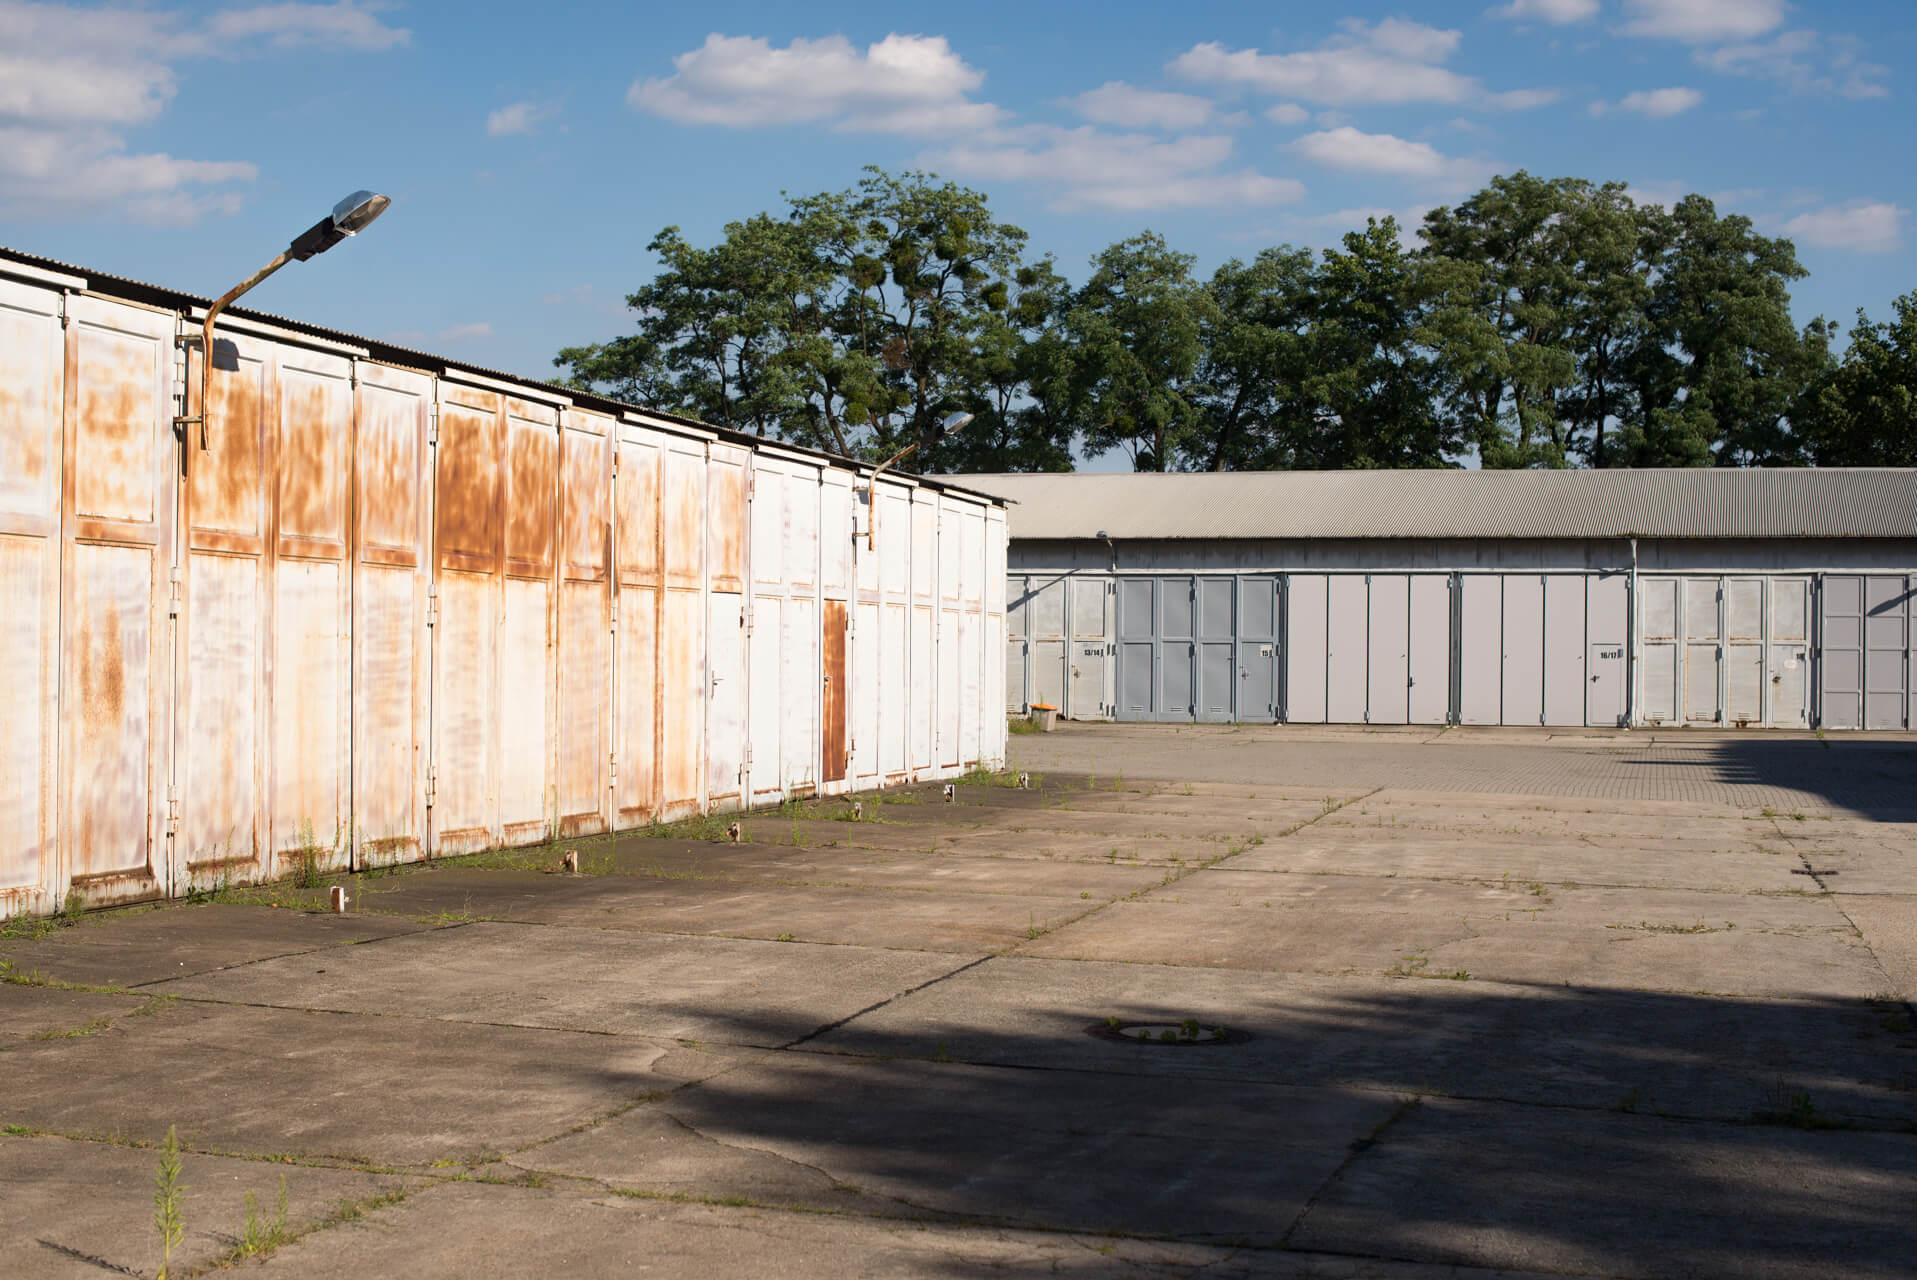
x: 1167, y: 1034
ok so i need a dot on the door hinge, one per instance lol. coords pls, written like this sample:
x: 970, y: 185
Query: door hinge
x: 432, y: 786
x: 615, y: 457
x: 612, y: 770
x: 432, y: 604
x: 172, y: 810
x: 748, y: 755
x: 173, y: 592
x: 432, y: 424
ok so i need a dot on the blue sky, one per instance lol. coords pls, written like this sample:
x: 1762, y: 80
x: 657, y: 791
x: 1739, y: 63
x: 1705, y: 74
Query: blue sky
x: 532, y: 152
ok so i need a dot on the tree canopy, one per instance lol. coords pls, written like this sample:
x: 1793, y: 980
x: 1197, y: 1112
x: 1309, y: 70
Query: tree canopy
x: 1537, y: 323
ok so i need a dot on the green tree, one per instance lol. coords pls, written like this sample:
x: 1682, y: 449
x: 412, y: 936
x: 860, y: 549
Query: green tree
x: 1137, y: 331
x: 1252, y: 378
x: 1376, y: 378
x: 1862, y: 412
x: 1719, y: 363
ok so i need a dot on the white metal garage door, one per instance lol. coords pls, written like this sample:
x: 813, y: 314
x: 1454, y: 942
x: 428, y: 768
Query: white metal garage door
x: 1305, y: 648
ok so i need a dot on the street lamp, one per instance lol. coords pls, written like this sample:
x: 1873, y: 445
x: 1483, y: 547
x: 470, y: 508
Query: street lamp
x: 952, y: 422
x: 349, y: 217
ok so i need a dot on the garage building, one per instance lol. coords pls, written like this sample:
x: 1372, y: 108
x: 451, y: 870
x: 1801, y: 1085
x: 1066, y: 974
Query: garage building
x: 1780, y: 598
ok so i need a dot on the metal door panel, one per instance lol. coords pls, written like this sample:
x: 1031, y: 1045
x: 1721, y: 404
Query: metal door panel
x: 32, y: 372
x: 726, y: 699
x: 1045, y: 609
x: 1346, y: 649
x: 1388, y: 651
x: 768, y: 515
x: 1305, y: 648
x: 726, y: 518
x: 1176, y: 659
x: 1660, y: 641
x: 1910, y: 659
x: 801, y: 686
x: 864, y: 719
x: 1137, y: 607
x: 221, y: 742
x: 1607, y: 603
x: 1259, y: 624
x: 1885, y: 615
x: 638, y: 569
x: 1090, y: 683
x: 584, y: 719
x: 1215, y: 648
x: 117, y: 539
x: 682, y: 702
x: 310, y: 696
x: 464, y: 690
x: 891, y: 692
x: 1523, y: 687
x: 1744, y: 651
x: 1564, y: 649
x: 971, y: 670
x: 1480, y: 649
x: 946, y: 708
x: 392, y: 576
x: 924, y: 666
x: 835, y: 533
x: 1702, y: 599
x: 1016, y: 697
x: 1841, y: 651
x: 1787, y: 654
x: 524, y: 705
x: 311, y: 613
x: 765, y: 772
x: 1429, y: 699
x: 221, y: 829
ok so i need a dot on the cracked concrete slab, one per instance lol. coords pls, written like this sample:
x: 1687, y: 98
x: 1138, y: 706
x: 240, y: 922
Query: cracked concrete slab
x: 727, y: 990
x: 1056, y: 1149
x: 85, y: 1209
x: 464, y: 1229
x: 130, y: 948
x: 30, y: 1013
x: 367, y: 1090
x: 1676, y: 1054
x: 1481, y: 1185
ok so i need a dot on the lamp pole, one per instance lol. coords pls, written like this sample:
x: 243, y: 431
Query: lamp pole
x: 951, y: 422
x: 349, y: 217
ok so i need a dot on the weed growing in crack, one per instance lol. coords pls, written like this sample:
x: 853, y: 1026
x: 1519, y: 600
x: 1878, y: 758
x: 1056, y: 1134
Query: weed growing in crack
x: 169, y: 1202
x: 263, y: 1234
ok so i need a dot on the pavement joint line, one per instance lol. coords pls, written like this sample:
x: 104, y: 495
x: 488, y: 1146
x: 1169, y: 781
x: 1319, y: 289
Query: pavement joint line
x: 1406, y: 1105
x: 290, y: 955
x: 874, y: 1008
x: 1817, y: 878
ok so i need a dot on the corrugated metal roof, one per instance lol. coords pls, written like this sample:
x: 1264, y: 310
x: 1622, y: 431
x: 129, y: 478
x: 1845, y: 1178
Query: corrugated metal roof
x: 1701, y: 502
x: 110, y: 285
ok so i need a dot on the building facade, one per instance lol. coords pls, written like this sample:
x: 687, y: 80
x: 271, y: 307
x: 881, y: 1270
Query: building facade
x: 365, y: 605
x: 1752, y: 598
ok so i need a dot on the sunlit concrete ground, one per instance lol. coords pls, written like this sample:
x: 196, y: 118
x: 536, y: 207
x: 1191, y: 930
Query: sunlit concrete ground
x: 1568, y: 1004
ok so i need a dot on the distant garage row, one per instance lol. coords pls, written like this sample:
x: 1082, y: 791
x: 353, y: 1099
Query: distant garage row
x: 1746, y: 598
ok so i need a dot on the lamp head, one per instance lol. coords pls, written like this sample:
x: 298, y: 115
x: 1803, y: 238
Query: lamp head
x: 349, y: 217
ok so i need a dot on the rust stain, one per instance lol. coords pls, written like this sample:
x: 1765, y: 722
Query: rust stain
x: 685, y: 518
x: 728, y: 523
x: 832, y: 737
x: 312, y: 475
x: 468, y: 498
x: 386, y: 448
x: 586, y: 501
x: 223, y: 485
x: 531, y: 474
x: 637, y: 488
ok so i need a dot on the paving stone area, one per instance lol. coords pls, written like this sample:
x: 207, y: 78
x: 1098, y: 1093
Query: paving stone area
x: 1511, y: 1004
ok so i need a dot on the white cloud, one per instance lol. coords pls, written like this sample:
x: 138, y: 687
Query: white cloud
x: 1804, y: 61
x: 1657, y: 104
x: 1558, y: 11
x: 466, y: 332
x: 1126, y: 171
x: 1389, y: 62
x: 1130, y: 107
x: 72, y: 79
x: 901, y: 84
x: 343, y: 25
x: 517, y: 118
x: 1703, y: 21
x: 1287, y: 113
x: 1522, y: 99
x: 1862, y: 226
x: 1352, y: 151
